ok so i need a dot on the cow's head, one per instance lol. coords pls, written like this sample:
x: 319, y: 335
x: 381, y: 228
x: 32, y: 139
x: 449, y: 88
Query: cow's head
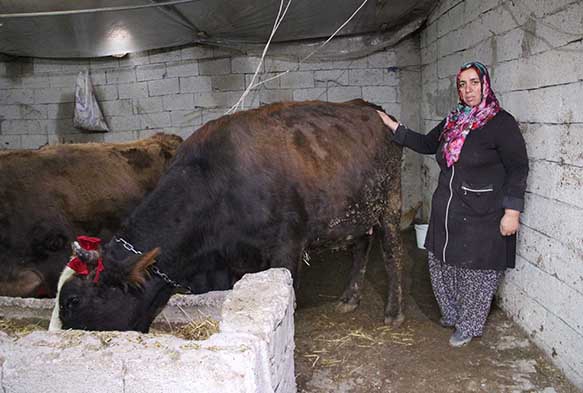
x: 33, y: 246
x: 123, y: 298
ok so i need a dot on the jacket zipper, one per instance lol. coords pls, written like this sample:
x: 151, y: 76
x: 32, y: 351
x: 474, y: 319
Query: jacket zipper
x: 477, y: 190
x: 447, y: 211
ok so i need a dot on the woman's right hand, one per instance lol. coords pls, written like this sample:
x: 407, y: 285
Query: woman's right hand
x: 388, y: 121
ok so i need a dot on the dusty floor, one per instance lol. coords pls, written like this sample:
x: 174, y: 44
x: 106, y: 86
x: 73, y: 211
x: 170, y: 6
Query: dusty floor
x: 356, y: 353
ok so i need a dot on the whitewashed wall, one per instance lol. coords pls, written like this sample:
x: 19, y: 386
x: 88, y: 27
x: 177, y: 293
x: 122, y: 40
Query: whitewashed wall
x: 535, y: 53
x: 178, y: 90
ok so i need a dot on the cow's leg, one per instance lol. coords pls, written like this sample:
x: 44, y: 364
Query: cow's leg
x: 392, y: 249
x: 350, y: 299
x: 289, y: 255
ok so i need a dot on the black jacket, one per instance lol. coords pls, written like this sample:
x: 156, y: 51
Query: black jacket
x: 466, y: 208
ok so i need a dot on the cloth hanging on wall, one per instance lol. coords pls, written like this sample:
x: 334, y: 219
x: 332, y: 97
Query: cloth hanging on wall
x: 88, y: 115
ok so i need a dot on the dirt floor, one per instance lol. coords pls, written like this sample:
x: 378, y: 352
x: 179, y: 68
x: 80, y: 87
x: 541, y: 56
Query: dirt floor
x: 357, y: 353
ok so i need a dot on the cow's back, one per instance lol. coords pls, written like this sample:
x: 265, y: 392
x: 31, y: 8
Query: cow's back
x: 50, y: 195
x: 333, y: 162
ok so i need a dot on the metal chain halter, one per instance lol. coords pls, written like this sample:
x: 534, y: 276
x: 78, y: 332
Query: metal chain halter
x: 128, y: 246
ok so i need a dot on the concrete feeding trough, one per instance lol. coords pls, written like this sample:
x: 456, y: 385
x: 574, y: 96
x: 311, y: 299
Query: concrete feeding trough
x: 252, y: 351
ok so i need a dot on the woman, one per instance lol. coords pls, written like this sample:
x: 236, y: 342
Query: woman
x: 475, y: 209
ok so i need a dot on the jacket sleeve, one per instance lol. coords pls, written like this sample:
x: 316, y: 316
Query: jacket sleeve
x: 512, y: 150
x: 421, y: 143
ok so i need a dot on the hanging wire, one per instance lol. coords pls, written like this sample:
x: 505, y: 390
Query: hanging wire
x: 278, y: 20
x: 252, y: 86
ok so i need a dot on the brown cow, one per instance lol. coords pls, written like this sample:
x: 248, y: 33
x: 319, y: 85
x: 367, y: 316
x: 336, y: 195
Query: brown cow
x: 247, y: 192
x: 48, y: 196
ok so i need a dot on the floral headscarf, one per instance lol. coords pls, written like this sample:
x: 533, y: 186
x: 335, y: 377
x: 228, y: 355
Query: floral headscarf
x: 464, y: 118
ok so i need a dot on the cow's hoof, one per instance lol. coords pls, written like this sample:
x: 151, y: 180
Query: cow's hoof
x: 345, y: 307
x: 395, y: 322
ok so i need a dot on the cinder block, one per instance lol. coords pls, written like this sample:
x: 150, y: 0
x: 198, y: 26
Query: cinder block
x: 382, y: 59
x: 123, y: 123
x: 17, y: 96
x: 195, y: 84
x: 105, y: 92
x: 197, y: 52
x: 186, y: 118
x: 133, y: 90
x: 380, y: 94
x: 35, y: 81
x: 163, y: 87
x: 28, y: 112
x: 222, y: 99
x: 366, y: 77
x: 182, y: 68
x: 275, y: 95
x: 448, y: 66
x: 228, y: 82
x: 53, y: 95
x: 547, y: 216
x: 122, y: 75
x: 451, y: 20
x: 273, y: 64
x: 272, y: 78
x: 60, y: 111
x: 9, y: 112
x: 178, y: 102
x: 155, y: 120
x: 341, y: 94
x: 117, y: 107
x: 10, y: 142
x: 246, y: 65
x: 327, y: 78
x: 509, y: 45
x: 134, y: 59
x: 151, y: 72
x: 120, y: 136
x: 551, y: 256
x: 30, y: 127
x: 61, y: 127
x: 318, y: 93
x: 297, y: 80
x: 165, y: 55
x: 99, y: 63
x: 252, y: 352
x: 34, y: 141
x: 147, y: 105
x: 214, y: 67
x: 212, y: 114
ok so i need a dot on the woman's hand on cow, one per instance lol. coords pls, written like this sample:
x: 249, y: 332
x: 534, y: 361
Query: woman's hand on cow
x: 392, y: 124
x: 509, y: 223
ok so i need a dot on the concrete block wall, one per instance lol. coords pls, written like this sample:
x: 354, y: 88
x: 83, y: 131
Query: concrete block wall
x: 177, y: 90
x: 534, y: 50
x: 251, y: 353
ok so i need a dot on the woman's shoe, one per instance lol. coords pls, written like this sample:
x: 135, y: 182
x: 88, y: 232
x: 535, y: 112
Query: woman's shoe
x: 458, y: 339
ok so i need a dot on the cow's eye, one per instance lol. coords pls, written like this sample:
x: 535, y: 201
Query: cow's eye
x: 55, y: 242
x: 72, y: 302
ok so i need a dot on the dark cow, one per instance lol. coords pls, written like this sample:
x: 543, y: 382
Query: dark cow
x: 49, y: 195
x: 247, y: 192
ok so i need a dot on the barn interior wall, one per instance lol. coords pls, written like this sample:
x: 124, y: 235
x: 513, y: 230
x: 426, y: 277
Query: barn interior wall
x: 177, y: 90
x: 534, y: 50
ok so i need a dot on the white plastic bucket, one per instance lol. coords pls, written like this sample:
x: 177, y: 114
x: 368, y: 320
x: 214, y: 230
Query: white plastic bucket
x: 421, y: 232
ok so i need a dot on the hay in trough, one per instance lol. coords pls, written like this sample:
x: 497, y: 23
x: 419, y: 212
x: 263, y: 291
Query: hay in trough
x: 21, y: 327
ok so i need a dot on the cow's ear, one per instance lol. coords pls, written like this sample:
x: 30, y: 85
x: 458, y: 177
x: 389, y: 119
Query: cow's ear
x: 137, y: 274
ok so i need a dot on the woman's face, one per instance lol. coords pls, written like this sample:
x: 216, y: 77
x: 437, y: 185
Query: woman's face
x: 470, y: 87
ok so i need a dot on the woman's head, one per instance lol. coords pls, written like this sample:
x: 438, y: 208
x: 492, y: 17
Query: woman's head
x: 473, y: 84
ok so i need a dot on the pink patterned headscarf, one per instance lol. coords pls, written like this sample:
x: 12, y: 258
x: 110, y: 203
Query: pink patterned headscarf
x: 464, y: 118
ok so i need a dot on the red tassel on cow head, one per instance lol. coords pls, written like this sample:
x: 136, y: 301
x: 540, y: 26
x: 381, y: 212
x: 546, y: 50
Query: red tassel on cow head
x: 81, y: 267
